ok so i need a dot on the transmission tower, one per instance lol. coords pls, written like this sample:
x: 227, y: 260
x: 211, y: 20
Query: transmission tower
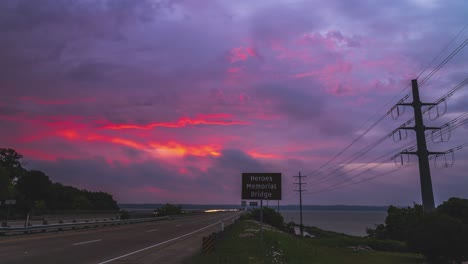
x: 422, y: 152
x: 300, y: 183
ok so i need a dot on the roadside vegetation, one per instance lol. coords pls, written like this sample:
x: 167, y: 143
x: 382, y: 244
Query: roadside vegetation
x: 33, y: 190
x: 168, y: 209
x: 441, y: 236
x: 241, y: 244
x: 408, y: 236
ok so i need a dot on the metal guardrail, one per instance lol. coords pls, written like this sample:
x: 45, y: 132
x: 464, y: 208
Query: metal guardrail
x: 61, y: 227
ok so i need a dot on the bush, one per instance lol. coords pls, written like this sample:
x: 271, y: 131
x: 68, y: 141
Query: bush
x: 440, y: 238
x: 124, y: 215
x: 168, y: 209
x: 270, y: 216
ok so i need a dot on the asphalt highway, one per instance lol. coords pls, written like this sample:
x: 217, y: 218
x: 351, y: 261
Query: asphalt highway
x: 107, y: 244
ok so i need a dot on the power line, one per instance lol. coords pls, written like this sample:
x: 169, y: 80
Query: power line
x: 360, y: 166
x: 445, y: 61
x: 443, y: 50
x: 448, y: 94
x: 371, y: 146
x: 361, y: 153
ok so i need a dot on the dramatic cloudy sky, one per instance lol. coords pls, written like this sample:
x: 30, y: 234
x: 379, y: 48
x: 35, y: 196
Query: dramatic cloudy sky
x: 170, y: 101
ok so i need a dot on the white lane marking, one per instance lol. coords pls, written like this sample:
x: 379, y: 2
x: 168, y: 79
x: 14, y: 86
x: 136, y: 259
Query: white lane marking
x: 152, y: 230
x: 167, y: 241
x: 87, y: 242
x: 178, y: 225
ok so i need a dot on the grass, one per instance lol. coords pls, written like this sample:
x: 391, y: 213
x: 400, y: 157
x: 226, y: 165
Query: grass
x: 279, y: 247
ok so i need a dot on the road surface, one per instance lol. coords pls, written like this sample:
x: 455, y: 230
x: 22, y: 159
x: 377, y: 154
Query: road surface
x: 108, y: 244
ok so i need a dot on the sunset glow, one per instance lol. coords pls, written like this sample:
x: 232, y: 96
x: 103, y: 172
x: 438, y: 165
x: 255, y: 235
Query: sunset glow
x: 171, y: 102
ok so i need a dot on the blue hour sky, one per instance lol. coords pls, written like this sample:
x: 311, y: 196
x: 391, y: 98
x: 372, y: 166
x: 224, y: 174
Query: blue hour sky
x: 170, y: 101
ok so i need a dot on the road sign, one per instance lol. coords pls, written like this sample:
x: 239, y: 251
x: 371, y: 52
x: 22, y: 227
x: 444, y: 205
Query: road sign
x: 10, y: 202
x: 261, y: 186
x: 253, y: 203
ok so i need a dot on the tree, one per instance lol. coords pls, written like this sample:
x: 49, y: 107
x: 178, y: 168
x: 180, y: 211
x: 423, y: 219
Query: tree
x: 10, y: 160
x: 6, y: 187
x: 270, y: 216
x: 80, y: 202
x: 169, y: 209
x: 398, y: 223
x: 455, y: 207
x: 440, y: 238
x: 34, y: 185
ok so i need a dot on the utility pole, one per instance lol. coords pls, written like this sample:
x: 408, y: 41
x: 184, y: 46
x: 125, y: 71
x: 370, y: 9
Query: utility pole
x: 422, y: 152
x: 300, y: 183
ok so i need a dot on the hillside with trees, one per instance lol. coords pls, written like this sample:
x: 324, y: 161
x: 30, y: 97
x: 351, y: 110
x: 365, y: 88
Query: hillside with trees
x: 33, y: 190
x: 441, y: 236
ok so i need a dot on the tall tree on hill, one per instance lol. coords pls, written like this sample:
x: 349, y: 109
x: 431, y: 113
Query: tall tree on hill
x: 6, y: 188
x: 11, y: 161
x: 34, y: 185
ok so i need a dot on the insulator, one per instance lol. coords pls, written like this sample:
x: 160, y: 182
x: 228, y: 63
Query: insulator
x: 395, y: 113
x: 442, y: 134
x: 402, y: 111
x: 397, y: 159
x: 438, y: 110
x: 445, y: 132
x: 399, y: 135
x: 449, y: 159
x: 407, y: 160
x: 436, y: 136
x: 396, y: 136
x: 445, y: 160
x: 404, y: 134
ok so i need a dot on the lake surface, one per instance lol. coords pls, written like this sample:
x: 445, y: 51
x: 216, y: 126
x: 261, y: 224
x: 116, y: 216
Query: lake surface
x: 348, y: 222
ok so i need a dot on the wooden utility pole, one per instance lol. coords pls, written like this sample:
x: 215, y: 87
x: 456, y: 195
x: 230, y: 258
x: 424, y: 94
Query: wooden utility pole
x: 300, y: 183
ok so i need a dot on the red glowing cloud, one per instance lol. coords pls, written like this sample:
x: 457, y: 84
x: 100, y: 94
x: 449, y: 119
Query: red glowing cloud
x: 258, y: 155
x: 182, y: 122
x: 170, y: 149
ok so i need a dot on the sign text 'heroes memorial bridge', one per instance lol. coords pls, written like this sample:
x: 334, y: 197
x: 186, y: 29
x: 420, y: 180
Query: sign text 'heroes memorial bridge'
x: 261, y: 186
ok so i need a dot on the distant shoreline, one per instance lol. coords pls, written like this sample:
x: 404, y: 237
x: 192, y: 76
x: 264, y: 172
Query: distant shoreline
x: 281, y: 207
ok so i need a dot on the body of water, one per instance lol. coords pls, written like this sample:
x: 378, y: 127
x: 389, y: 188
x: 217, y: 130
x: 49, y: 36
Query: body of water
x: 347, y: 222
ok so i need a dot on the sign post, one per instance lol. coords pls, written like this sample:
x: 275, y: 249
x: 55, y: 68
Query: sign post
x: 261, y: 186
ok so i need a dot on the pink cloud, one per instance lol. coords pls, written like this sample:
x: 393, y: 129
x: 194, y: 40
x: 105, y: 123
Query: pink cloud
x: 241, y: 54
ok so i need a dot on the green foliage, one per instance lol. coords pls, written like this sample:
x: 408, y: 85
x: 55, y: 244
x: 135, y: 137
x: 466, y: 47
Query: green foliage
x: 34, y: 185
x: 270, y: 216
x: 440, y: 238
x: 10, y: 160
x: 6, y: 187
x: 334, y: 239
x: 279, y: 247
x: 67, y: 197
x: 124, y: 214
x: 455, y: 207
x: 169, y: 209
x: 398, y: 223
x: 34, y: 190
